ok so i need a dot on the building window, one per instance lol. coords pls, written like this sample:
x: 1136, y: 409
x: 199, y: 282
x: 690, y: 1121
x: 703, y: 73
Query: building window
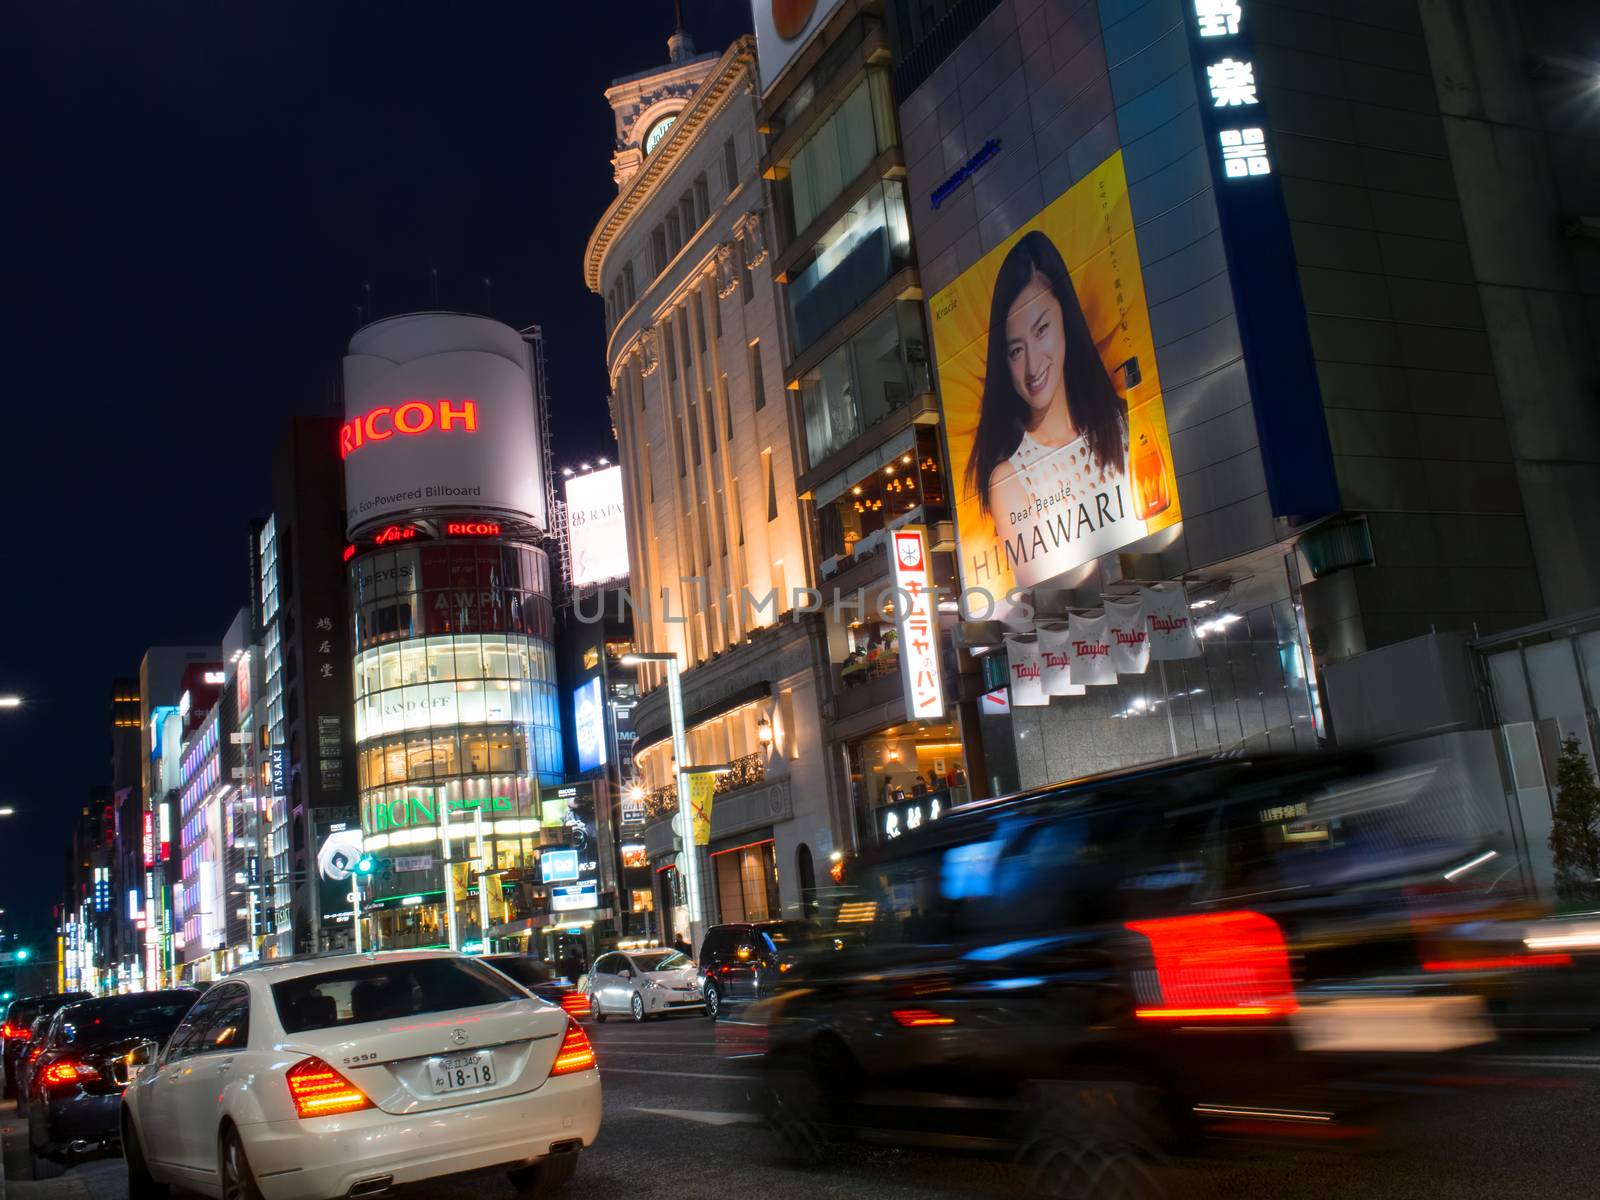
x: 702, y: 197
x: 772, y: 485
x: 716, y: 315
x: 674, y: 234
x: 865, y: 380
x: 727, y: 407
x: 658, y: 248
x: 683, y: 340
x: 694, y: 431
x: 827, y: 162
x: 722, y: 526
x: 690, y: 223
x: 705, y: 536
x: 851, y: 260
x: 683, y: 463
x: 747, y: 291
x: 628, y: 296
x: 730, y: 165
x: 699, y: 323
x: 758, y: 382
x: 649, y: 475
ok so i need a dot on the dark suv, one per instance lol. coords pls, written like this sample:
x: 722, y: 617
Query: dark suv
x: 1094, y: 967
x: 745, y: 962
x: 17, y: 1031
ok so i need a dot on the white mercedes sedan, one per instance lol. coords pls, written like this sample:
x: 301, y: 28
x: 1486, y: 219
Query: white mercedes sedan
x: 347, y: 1075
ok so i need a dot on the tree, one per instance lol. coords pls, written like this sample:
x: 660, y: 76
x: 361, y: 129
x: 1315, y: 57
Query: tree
x: 1575, y: 831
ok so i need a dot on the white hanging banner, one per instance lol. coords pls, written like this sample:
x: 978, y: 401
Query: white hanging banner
x: 1091, y: 648
x: 1055, y: 660
x: 1130, y: 641
x: 1168, y: 622
x: 1026, y: 687
x: 918, y: 624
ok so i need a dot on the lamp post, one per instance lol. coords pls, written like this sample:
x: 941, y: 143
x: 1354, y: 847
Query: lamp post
x: 690, y: 857
x: 481, y: 866
x: 10, y: 701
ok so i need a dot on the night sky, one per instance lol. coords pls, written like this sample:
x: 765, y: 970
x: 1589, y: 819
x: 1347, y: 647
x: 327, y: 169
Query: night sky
x: 194, y: 196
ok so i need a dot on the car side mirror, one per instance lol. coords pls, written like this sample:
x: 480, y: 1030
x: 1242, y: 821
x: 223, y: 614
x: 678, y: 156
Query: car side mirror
x: 136, y: 1060
x: 626, y: 973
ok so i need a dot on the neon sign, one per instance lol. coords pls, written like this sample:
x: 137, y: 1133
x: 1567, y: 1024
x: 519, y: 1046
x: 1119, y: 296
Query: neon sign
x: 395, y: 533
x: 409, y: 418
x: 349, y: 552
x: 472, y: 529
x: 918, y: 624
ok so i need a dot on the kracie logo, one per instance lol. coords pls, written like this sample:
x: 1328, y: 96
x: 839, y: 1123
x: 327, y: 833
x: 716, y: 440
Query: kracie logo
x: 411, y: 417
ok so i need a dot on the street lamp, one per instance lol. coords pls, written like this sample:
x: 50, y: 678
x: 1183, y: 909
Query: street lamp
x: 7, y: 811
x: 680, y: 754
x: 10, y: 701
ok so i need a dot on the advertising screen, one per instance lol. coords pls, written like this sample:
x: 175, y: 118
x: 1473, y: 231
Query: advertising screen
x: 573, y: 896
x: 558, y: 866
x: 589, y: 724
x: 597, y: 531
x: 1052, y: 405
x: 439, y: 414
x: 782, y: 27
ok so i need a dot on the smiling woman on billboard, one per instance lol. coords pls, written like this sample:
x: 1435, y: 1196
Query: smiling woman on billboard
x: 1052, y: 404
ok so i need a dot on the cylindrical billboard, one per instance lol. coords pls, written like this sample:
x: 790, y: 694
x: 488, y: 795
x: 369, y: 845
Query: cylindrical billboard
x: 440, y: 415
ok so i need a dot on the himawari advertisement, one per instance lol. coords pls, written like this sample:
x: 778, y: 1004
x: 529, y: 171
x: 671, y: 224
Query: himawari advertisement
x: 1052, y: 404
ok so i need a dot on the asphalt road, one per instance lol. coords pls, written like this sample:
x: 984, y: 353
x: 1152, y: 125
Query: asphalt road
x: 1517, y: 1121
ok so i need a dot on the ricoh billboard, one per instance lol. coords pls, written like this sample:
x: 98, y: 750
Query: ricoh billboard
x: 597, y: 532
x: 439, y: 415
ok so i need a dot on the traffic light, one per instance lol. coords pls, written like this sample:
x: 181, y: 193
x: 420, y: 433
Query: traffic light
x: 366, y: 865
x: 24, y: 954
x: 6, y: 997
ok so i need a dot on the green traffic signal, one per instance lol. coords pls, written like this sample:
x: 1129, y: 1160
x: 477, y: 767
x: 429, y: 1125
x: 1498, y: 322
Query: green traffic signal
x: 24, y: 954
x: 5, y: 997
x: 366, y: 864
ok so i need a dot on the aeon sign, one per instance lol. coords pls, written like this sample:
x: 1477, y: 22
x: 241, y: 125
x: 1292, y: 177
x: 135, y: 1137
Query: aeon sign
x: 408, y: 419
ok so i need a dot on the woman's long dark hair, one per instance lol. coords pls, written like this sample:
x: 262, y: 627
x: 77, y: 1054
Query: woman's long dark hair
x: 1097, y: 411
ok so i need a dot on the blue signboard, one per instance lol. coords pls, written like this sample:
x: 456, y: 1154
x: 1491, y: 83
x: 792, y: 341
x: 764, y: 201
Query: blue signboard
x: 589, y: 723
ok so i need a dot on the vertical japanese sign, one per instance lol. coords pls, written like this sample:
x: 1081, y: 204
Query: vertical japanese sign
x: 918, y: 623
x: 702, y: 788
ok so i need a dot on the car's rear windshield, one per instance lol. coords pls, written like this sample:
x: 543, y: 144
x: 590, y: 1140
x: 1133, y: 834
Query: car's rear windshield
x: 387, y: 991
x: 21, y: 1015
x: 152, y: 1015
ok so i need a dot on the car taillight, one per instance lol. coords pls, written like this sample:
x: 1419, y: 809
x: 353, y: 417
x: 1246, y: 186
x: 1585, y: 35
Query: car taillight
x: 16, y: 1033
x: 33, y: 1054
x: 575, y: 1054
x: 1228, y: 965
x: 920, y: 1018
x: 575, y: 1004
x: 67, y: 1071
x: 320, y: 1091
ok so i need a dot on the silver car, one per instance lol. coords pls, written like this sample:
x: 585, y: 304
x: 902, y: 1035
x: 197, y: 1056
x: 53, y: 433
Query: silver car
x: 642, y: 984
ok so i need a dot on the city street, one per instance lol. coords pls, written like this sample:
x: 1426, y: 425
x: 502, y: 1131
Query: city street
x: 1516, y: 1121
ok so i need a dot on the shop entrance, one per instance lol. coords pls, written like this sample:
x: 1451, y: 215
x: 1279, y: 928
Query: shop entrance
x: 905, y: 775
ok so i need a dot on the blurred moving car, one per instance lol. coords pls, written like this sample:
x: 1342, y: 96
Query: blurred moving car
x: 74, y: 1088
x: 1083, y: 972
x: 16, y: 1032
x: 537, y: 976
x: 744, y: 962
x: 346, y: 1075
x: 642, y: 984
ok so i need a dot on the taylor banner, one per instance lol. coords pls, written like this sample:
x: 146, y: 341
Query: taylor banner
x: 1052, y: 405
x: 701, y: 791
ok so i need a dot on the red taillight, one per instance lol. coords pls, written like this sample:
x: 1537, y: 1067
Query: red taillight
x: 920, y: 1018
x: 575, y: 1054
x: 19, y: 1033
x: 67, y: 1071
x: 320, y: 1091
x: 575, y: 1004
x: 1498, y: 962
x: 1215, y: 966
x: 33, y: 1054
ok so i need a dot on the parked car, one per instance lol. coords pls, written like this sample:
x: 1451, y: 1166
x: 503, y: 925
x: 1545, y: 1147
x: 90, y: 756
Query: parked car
x: 345, y: 1075
x: 537, y: 976
x: 740, y: 963
x: 17, y: 1028
x: 1079, y: 973
x: 642, y: 984
x: 37, y: 1033
x: 74, y: 1088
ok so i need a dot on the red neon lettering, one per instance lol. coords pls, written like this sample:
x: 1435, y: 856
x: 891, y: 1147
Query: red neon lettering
x: 411, y: 417
x: 422, y: 422
x: 472, y: 529
x: 370, y: 424
x: 349, y: 552
x: 467, y: 414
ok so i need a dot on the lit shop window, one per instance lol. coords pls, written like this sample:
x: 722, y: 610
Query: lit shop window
x: 1244, y: 152
x: 1232, y: 83
x: 1217, y: 18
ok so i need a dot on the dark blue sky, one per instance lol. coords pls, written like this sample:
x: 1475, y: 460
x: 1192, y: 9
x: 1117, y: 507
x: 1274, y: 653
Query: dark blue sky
x: 195, y: 194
